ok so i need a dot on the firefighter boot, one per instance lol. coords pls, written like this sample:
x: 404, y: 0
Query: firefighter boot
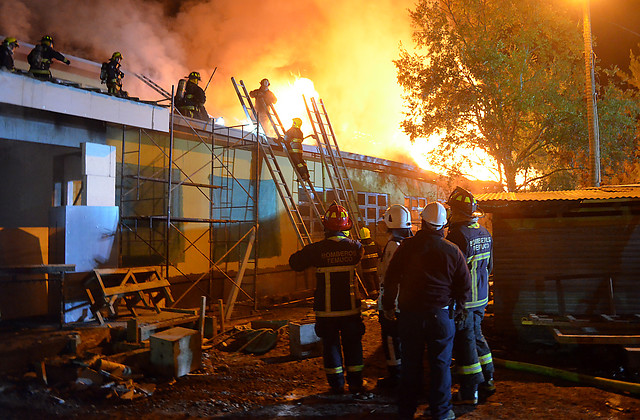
x: 487, y: 389
x: 465, y: 397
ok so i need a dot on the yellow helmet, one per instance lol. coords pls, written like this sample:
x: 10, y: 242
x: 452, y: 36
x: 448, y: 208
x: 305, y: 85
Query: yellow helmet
x: 116, y: 54
x: 365, y: 233
x: 297, y: 122
x: 11, y: 40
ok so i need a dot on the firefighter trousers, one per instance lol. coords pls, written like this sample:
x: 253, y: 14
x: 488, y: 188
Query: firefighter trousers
x: 474, y: 363
x: 391, y: 344
x: 342, y: 334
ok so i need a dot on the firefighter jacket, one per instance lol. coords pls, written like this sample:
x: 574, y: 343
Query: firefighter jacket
x: 264, y: 97
x: 193, y: 96
x: 6, y: 57
x: 293, y: 140
x: 369, y: 263
x: 430, y: 272
x: 40, y: 58
x: 476, y: 244
x: 389, y: 249
x: 114, y: 74
x: 335, y: 259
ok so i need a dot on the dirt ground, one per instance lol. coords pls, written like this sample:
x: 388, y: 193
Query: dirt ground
x: 274, y: 385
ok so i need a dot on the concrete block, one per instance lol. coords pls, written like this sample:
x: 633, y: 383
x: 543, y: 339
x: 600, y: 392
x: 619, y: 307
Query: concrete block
x: 176, y: 351
x: 99, y: 191
x: 98, y: 159
x: 303, y: 341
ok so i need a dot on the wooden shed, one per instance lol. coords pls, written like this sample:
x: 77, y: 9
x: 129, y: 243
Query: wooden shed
x: 565, y: 253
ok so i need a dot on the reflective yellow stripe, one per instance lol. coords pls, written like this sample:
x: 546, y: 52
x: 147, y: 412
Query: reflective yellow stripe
x: 473, y: 269
x: 470, y: 369
x: 369, y: 256
x: 357, y: 368
x: 486, y: 359
x: 369, y: 270
x: 333, y: 370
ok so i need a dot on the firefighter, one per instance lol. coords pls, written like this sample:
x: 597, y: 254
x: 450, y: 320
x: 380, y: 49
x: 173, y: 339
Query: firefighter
x: 40, y: 58
x: 112, y: 76
x: 397, y: 219
x: 293, y: 138
x: 369, y: 263
x: 474, y: 365
x: 434, y: 282
x: 336, y: 301
x: 192, y: 104
x: 263, y: 99
x: 6, y: 53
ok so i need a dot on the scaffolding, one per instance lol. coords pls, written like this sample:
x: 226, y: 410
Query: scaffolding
x: 183, y: 208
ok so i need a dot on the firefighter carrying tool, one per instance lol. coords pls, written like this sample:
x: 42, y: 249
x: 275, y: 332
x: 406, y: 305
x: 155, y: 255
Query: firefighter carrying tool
x: 40, y: 58
x: 336, y: 302
x: 111, y: 74
x: 190, y: 97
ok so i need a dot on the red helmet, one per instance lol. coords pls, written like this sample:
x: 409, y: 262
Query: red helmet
x: 336, y: 218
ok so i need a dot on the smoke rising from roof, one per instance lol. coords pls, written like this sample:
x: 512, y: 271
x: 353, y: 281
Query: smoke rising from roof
x: 344, y: 46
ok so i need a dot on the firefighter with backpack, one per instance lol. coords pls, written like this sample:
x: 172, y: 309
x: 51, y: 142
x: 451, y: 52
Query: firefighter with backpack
x: 111, y: 74
x: 41, y: 56
x: 190, y: 97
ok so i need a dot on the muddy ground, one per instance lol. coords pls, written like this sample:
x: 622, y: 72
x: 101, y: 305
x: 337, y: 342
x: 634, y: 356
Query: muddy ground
x: 274, y: 385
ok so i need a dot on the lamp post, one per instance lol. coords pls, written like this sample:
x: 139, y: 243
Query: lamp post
x: 592, y: 107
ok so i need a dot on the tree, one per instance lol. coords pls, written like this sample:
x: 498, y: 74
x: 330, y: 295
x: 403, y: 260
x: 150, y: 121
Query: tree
x: 506, y: 77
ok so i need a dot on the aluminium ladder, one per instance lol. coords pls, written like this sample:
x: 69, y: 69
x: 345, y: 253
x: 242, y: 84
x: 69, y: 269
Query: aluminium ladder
x: 274, y: 168
x: 331, y: 157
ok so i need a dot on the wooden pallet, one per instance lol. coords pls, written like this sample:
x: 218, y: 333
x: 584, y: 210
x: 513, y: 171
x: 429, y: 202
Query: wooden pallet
x: 134, y: 286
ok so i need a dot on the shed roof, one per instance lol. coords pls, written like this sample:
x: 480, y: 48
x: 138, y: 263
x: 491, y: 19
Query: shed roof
x: 609, y: 192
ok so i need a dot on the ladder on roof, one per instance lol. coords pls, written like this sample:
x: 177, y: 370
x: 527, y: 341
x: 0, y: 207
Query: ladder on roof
x: 331, y: 157
x: 274, y: 168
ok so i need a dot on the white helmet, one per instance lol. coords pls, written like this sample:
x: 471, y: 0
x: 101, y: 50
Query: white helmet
x: 435, y: 214
x: 397, y: 217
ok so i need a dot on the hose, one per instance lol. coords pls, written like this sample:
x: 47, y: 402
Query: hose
x: 607, y: 384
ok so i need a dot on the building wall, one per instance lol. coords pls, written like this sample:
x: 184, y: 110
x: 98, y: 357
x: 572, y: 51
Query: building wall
x: 559, y: 264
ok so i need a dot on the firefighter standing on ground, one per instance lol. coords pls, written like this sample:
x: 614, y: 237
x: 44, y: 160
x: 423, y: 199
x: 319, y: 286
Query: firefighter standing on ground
x: 40, y: 58
x: 191, y: 104
x: 6, y: 53
x: 264, y: 98
x: 397, y: 218
x: 369, y: 263
x: 432, y: 275
x: 293, y: 141
x: 112, y: 76
x: 474, y: 364
x: 336, y: 301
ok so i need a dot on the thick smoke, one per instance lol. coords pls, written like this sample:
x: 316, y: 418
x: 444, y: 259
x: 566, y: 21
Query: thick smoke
x: 345, y: 47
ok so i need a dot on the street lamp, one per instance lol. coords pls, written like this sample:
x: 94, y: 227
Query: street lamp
x: 592, y: 107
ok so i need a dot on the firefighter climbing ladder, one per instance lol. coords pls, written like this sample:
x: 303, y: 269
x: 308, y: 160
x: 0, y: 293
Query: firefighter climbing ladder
x: 332, y: 159
x: 274, y: 168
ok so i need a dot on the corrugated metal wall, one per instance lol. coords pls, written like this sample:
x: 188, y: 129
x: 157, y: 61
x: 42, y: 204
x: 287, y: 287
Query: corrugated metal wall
x: 547, y: 265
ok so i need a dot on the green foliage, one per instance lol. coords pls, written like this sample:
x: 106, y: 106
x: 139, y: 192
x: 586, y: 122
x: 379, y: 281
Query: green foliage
x: 506, y: 77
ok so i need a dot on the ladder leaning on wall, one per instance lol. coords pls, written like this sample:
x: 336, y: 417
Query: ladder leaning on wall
x: 331, y: 157
x: 274, y: 168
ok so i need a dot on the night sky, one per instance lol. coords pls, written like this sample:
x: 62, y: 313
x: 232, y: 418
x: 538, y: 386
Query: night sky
x: 615, y: 26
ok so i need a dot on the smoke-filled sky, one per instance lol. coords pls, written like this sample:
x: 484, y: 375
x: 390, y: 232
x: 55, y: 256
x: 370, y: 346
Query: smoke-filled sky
x: 345, y: 47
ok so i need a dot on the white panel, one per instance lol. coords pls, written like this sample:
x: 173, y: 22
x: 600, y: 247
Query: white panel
x: 99, y: 191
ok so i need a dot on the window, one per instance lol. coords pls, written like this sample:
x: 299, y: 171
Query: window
x: 415, y: 206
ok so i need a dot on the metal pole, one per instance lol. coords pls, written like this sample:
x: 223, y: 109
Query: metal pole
x: 592, y: 108
x: 168, y: 226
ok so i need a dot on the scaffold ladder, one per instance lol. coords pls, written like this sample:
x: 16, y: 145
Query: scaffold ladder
x: 331, y: 157
x: 272, y: 164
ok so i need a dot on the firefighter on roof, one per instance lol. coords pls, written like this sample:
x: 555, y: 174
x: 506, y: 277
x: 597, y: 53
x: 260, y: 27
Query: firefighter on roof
x: 397, y: 219
x: 112, y: 75
x: 191, y: 102
x: 474, y: 364
x: 40, y: 58
x: 369, y: 263
x: 264, y: 98
x: 293, y: 141
x: 6, y: 53
x: 336, y: 301
x: 429, y: 275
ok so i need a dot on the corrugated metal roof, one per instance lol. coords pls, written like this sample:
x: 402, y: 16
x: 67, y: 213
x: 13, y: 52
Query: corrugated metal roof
x: 595, y: 193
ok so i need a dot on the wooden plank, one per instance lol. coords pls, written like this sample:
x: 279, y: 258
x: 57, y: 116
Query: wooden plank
x: 595, y: 339
x: 131, y: 288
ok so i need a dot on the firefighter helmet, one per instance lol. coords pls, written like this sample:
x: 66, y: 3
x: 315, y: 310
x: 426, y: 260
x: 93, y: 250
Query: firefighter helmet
x: 297, y: 122
x: 463, y: 202
x: 194, y: 75
x: 364, y: 233
x: 435, y: 215
x: 116, y: 55
x: 397, y: 217
x: 336, y: 218
x: 47, y: 40
x: 264, y: 83
x: 11, y: 40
